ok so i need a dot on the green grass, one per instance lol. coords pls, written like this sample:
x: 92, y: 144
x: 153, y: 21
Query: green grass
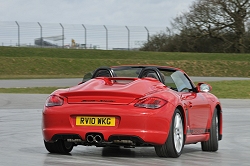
x: 231, y: 89
x: 33, y: 90
x: 65, y: 63
x: 114, y: 54
x: 222, y: 89
x: 25, y: 63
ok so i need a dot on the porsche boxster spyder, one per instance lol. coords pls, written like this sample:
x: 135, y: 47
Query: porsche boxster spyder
x: 133, y: 106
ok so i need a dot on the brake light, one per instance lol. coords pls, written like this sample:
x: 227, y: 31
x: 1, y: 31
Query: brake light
x: 54, y: 101
x: 151, y: 103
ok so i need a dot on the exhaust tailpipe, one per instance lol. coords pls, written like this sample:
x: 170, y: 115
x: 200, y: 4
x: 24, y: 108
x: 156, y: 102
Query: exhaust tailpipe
x: 94, y: 138
x: 98, y: 139
x: 90, y: 138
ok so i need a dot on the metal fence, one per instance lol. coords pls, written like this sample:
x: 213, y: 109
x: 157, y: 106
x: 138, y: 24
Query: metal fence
x: 79, y: 36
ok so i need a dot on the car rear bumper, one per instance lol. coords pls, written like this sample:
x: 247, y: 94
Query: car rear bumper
x: 141, y: 126
x: 137, y: 137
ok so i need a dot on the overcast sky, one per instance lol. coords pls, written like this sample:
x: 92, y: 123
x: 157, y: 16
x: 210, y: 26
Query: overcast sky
x: 94, y: 12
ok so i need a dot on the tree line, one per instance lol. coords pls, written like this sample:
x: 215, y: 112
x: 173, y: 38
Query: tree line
x: 208, y: 26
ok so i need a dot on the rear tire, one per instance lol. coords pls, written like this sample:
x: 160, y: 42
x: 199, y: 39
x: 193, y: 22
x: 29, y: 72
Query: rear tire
x: 61, y: 147
x: 212, y: 144
x: 174, y: 145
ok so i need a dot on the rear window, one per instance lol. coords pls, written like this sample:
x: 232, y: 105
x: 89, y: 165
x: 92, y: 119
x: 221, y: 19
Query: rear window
x: 132, y: 72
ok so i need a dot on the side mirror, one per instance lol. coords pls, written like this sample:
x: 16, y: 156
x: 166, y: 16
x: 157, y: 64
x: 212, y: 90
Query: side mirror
x: 203, y: 87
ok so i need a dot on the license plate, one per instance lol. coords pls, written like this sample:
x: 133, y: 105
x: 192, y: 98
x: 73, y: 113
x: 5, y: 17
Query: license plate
x: 95, y: 121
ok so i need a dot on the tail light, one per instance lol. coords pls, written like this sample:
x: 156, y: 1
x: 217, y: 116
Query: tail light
x: 54, y: 101
x: 151, y: 103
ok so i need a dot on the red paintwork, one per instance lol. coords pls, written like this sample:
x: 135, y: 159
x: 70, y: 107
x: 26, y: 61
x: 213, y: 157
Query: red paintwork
x: 104, y: 97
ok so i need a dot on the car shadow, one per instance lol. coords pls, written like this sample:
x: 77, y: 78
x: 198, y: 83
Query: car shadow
x: 140, y: 152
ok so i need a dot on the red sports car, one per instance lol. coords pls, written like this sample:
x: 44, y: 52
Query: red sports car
x: 133, y: 106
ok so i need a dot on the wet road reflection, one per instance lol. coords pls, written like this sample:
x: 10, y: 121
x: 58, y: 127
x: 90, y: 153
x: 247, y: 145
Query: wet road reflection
x: 21, y: 142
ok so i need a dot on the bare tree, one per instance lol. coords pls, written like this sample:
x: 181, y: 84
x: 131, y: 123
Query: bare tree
x: 220, y: 19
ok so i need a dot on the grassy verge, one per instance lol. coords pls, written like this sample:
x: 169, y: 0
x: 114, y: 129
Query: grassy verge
x: 33, y: 90
x: 66, y: 63
x: 222, y: 89
x: 231, y: 89
x: 26, y: 63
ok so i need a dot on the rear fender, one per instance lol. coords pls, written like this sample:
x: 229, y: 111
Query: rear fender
x: 176, y: 104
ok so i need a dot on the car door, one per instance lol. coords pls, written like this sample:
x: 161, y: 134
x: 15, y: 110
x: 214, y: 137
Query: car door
x: 196, y: 105
x: 197, y: 110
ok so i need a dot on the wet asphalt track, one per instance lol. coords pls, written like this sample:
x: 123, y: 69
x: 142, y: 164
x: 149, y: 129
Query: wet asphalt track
x: 21, y: 140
